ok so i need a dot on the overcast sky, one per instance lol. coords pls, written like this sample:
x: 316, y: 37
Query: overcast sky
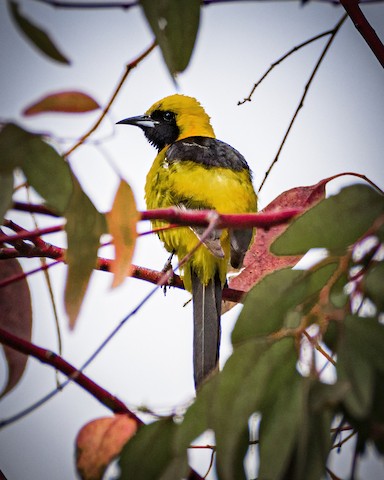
x: 339, y: 129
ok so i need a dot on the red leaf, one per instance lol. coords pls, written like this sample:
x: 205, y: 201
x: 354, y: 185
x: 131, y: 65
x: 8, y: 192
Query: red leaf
x: 16, y: 317
x: 64, y: 102
x: 99, y: 442
x: 259, y: 261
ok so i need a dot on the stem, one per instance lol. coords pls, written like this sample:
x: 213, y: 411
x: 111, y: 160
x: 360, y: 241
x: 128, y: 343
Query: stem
x: 301, y: 103
x: 128, y: 69
x: 73, y: 374
x: 365, y: 29
x: 281, y: 59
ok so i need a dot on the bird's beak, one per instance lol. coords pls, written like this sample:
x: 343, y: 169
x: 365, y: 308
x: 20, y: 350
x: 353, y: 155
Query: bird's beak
x: 142, y: 121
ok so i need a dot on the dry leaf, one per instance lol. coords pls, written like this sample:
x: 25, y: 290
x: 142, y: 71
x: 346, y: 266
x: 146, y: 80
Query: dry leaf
x: 64, y: 102
x: 15, y: 317
x: 122, y: 220
x: 99, y: 442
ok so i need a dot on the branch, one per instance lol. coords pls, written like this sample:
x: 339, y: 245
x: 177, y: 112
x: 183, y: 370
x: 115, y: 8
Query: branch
x: 239, y: 220
x: 128, y: 69
x: 301, y: 103
x: 50, y: 358
x: 194, y: 217
x: 365, y: 29
x: 281, y: 59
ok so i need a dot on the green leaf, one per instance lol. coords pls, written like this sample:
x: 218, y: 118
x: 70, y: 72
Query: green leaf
x: 6, y: 191
x: 373, y: 285
x: 354, y: 363
x: 150, y: 454
x: 267, y: 306
x: 46, y: 171
x: 175, y: 24
x: 251, y: 379
x: 366, y: 336
x: 334, y: 223
x: 197, y: 418
x: 314, y: 440
x: 37, y: 36
x: 84, y: 227
x: 279, y: 430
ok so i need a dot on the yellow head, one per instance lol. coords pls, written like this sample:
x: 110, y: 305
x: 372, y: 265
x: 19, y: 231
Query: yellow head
x: 173, y: 118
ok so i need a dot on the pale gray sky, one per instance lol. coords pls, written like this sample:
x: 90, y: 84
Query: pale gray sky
x: 339, y: 129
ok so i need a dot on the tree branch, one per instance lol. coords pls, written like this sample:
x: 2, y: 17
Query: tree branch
x: 365, y: 29
x: 301, y: 103
x: 50, y: 358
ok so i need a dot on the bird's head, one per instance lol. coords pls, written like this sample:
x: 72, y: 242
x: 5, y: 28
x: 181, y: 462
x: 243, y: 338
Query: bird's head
x: 172, y: 118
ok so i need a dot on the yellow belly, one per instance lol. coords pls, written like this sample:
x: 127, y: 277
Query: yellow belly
x: 195, y: 186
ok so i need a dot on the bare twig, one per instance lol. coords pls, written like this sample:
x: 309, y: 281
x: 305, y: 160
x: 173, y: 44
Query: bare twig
x: 306, y: 88
x: 281, y: 59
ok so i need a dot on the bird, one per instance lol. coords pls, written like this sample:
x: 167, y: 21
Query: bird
x: 195, y: 170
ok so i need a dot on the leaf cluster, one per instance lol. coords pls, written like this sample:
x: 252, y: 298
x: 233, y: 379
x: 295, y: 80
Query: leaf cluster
x: 297, y: 406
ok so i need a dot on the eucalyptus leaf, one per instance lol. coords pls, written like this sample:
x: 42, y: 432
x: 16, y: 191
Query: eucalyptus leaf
x: 6, y: 191
x: 334, y: 223
x: 175, y: 24
x: 36, y: 35
x: 149, y: 455
x: 84, y: 227
x: 279, y: 430
x: 267, y: 306
x: 252, y: 378
x: 46, y: 171
x: 373, y: 285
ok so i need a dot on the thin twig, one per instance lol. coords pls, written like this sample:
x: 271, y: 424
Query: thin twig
x: 316, y: 345
x: 21, y: 276
x: 128, y: 69
x: 306, y: 88
x: 281, y: 59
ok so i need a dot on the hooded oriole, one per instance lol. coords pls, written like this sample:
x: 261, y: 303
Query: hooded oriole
x: 194, y: 170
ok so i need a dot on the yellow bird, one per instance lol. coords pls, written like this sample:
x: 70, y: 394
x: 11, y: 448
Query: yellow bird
x: 194, y: 170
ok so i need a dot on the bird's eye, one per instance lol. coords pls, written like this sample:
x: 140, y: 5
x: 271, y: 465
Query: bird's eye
x: 168, y: 116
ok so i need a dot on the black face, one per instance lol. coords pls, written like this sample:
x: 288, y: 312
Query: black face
x: 165, y: 132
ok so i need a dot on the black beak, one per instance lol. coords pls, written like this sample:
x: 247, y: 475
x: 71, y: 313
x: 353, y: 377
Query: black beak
x: 142, y: 121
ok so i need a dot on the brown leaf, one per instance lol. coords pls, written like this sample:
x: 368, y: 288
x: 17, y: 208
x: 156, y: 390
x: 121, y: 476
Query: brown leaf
x: 259, y: 261
x: 16, y: 317
x: 64, y: 102
x: 99, y: 442
x: 122, y: 220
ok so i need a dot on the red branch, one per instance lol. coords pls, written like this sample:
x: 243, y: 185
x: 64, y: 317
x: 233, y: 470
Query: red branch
x: 29, y: 235
x: 195, y: 217
x: 54, y: 360
x: 173, y: 214
x: 204, y: 217
x: 365, y: 29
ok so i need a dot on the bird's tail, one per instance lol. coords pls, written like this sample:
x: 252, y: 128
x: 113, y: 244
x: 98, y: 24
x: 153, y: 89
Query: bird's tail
x: 206, y: 326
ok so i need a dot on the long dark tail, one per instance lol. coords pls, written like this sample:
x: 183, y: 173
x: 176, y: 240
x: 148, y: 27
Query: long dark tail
x: 206, y: 326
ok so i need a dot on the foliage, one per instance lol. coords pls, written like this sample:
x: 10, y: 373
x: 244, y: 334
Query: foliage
x: 265, y: 375
x: 336, y: 306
